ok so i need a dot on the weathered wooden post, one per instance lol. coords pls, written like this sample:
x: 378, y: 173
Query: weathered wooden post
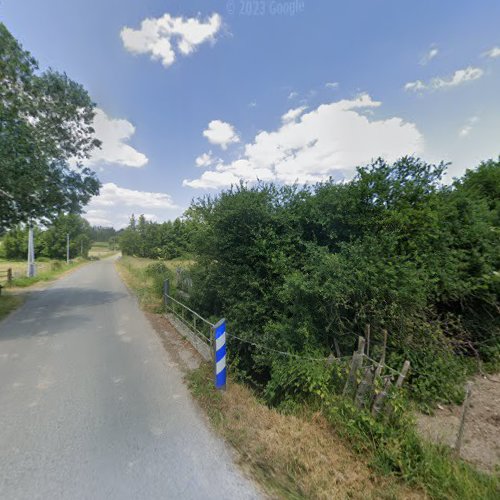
x: 403, y: 374
x: 460, y: 435
x: 399, y: 383
x: 356, y: 363
x: 364, y: 388
x: 367, y: 337
x: 380, y: 398
x: 384, y: 348
x: 9, y: 275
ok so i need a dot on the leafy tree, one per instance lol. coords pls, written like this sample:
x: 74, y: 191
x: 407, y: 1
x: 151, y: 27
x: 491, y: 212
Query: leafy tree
x: 54, y: 239
x: 100, y: 233
x: 303, y: 269
x: 45, y: 125
x: 15, y: 243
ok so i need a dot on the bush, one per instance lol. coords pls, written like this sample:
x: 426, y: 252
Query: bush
x: 302, y: 381
x: 158, y: 272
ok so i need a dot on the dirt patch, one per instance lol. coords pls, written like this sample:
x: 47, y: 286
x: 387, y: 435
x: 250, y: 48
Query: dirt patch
x: 481, y: 440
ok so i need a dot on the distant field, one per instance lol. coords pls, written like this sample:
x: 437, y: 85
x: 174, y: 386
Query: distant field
x: 101, y: 250
x: 19, y: 267
x: 46, y: 270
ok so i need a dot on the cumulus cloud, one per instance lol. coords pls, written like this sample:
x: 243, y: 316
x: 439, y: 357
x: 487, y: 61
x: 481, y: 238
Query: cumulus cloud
x: 205, y: 160
x: 221, y: 133
x: 494, y: 52
x: 292, y: 114
x: 460, y: 77
x: 429, y: 56
x: 165, y: 37
x: 113, y: 195
x: 466, y: 129
x: 114, y: 205
x: 331, y: 139
x: 114, y: 133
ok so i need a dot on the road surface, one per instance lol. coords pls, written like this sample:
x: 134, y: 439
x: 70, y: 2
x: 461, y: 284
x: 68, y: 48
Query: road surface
x: 91, y: 406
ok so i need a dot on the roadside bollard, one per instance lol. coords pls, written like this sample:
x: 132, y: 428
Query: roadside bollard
x: 220, y: 354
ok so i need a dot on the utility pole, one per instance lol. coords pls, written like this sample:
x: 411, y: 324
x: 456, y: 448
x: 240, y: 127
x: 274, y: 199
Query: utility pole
x: 31, y: 254
x: 67, y: 248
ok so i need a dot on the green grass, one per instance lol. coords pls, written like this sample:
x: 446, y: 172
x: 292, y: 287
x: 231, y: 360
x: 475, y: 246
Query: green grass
x: 134, y: 271
x: 48, y: 272
x: 395, y: 449
x: 8, y: 303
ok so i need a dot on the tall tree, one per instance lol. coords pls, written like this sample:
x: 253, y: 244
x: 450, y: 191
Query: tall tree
x: 45, y: 134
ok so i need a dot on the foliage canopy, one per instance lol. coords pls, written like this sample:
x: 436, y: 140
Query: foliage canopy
x: 45, y: 133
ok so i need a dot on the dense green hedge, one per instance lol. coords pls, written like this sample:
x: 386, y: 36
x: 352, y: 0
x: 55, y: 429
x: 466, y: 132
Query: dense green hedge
x: 297, y: 268
x: 300, y: 268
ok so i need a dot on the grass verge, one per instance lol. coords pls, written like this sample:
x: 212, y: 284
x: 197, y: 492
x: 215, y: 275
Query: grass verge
x: 134, y: 271
x: 292, y: 456
x: 393, y: 447
x: 50, y: 271
x: 8, y: 303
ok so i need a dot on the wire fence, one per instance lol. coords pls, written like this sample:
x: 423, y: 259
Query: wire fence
x: 200, y: 326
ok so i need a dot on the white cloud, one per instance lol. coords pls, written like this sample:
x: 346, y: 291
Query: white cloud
x: 166, y: 37
x: 331, y: 85
x: 429, y: 56
x: 293, y: 95
x: 331, y: 139
x: 292, y: 114
x: 460, y: 77
x: 221, y: 133
x: 205, y: 160
x: 115, y: 204
x: 98, y: 218
x: 112, y: 195
x: 494, y: 52
x: 114, y: 133
x: 466, y: 129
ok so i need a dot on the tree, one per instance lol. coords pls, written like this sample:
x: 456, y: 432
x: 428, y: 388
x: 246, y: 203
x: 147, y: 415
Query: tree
x: 45, y: 134
x: 15, y: 243
x: 54, y: 239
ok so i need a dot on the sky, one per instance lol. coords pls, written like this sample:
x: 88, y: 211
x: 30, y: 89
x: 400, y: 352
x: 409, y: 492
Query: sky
x: 193, y: 96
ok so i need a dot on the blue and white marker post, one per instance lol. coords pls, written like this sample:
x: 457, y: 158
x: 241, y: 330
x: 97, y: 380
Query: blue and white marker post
x: 220, y: 354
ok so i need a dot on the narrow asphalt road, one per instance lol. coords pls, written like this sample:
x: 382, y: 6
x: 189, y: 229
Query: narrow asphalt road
x: 92, y: 407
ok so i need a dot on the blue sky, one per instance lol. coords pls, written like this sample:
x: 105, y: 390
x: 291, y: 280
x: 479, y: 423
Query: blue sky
x: 277, y: 90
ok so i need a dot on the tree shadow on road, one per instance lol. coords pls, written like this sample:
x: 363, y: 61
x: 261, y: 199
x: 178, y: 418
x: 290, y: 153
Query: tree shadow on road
x: 58, y: 310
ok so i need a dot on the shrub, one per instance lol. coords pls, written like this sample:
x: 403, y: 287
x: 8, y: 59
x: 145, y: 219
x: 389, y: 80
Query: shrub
x: 158, y: 272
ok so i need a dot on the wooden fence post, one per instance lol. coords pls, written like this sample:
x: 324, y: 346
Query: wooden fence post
x: 384, y: 347
x: 9, y: 275
x: 380, y: 398
x: 399, y: 382
x: 402, y: 375
x: 367, y: 337
x: 364, y: 388
x: 458, y: 444
x: 356, y: 363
